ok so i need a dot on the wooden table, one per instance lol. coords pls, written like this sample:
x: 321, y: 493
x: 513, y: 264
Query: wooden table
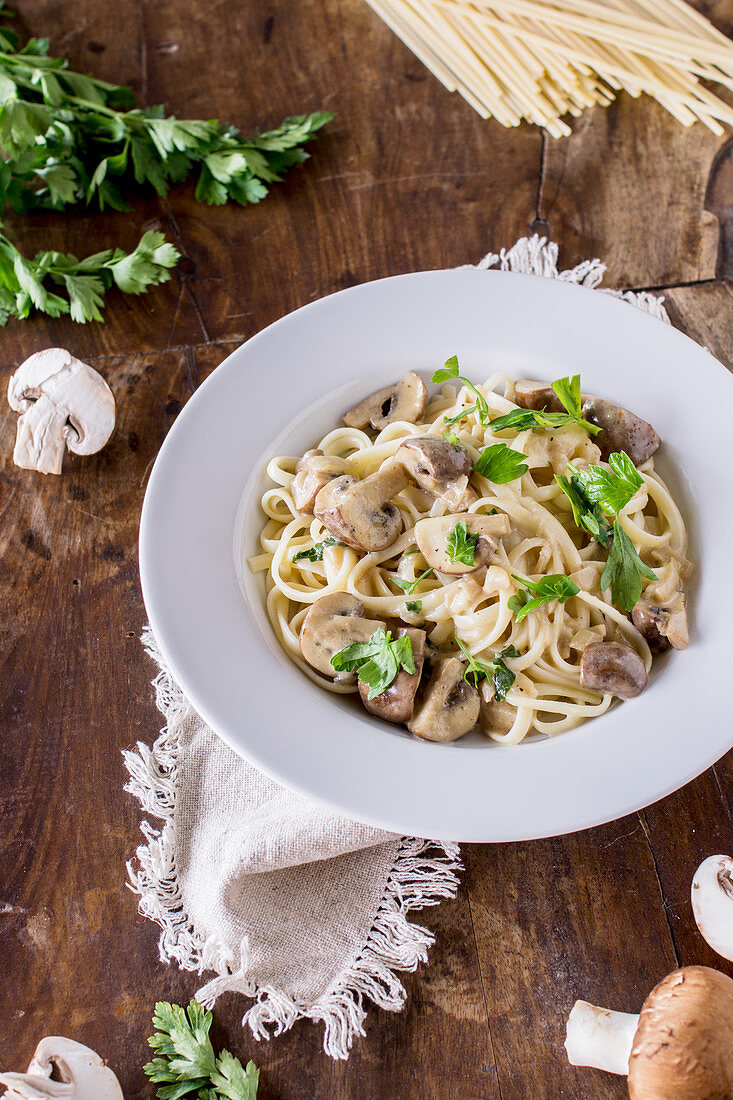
x: 407, y: 177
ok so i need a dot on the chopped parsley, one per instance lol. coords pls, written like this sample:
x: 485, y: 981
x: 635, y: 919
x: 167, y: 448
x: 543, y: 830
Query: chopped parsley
x: 414, y: 605
x: 451, y: 370
x: 378, y: 661
x: 556, y: 586
x: 315, y: 553
x: 499, y: 463
x: 460, y: 545
x: 451, y: 437
x: 495, y: 670
x: 459, y: 416
x: 410, y: 586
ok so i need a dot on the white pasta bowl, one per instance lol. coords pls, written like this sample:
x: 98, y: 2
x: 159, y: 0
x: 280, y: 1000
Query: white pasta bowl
x: 284, y: 389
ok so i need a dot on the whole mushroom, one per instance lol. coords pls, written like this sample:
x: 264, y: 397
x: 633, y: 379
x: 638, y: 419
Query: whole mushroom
x: 613, y: 668
x: 679, y: 1048
x: 63, y: 404
x: 80, y: 1074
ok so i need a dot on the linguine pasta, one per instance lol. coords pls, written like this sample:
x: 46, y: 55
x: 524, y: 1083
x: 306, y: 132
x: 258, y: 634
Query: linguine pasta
x: 546, y: 696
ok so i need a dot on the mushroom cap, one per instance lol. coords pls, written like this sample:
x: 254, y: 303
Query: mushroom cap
x: 531, y: 394
x: 74, y: 388
x: 613, y: 668
x: 403, y: 400
x: 332, y: 623
x: 449, y: 707
x: 432, y: 536
x: 683, y: 1047
x: 360, y: 513
x: 621, y: 430
x: 397, y: 702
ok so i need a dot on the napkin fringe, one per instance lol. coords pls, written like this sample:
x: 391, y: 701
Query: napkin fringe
x: 424, y: 873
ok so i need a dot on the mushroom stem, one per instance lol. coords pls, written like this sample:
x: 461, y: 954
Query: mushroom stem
x: 41, y: 440
x: 599, y: 1037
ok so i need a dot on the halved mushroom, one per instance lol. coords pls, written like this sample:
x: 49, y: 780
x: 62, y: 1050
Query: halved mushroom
x: 396, y: 703
x: 613, y: 668
x: 662, y: 627
x: 712, y: 903
x: 63, y: 404
x: 440, y: 467
x: 404, y: 400
x: 432, y: 537
x: 621, y: 430
x: 314, y: 470
x: 78, y: 1074
x: 449, y: 708
x: 360, y: 513
x: 332, y: 623
x: 529, y: 394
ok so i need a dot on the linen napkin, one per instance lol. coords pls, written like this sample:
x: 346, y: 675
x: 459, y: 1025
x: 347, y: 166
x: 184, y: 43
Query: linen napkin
x: 302, y: 911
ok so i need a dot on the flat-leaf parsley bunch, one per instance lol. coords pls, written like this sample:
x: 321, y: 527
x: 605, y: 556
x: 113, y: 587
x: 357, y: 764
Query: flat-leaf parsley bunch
x: 69, y: 140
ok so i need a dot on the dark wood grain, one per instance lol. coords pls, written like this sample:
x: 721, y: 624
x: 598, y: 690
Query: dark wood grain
x: 405, y: 178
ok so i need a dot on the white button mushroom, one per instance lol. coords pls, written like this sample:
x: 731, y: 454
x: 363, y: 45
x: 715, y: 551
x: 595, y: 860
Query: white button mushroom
x: 679, y: 1048
x: 332, y: 623
x: 449, y: 707
x: 79, y: 1074
x: 613, y: 668
x: 314, y: 470
x: 360, y: 513
x: 404, y: 400
x: 432, y: 537
x: 439, y: 467
x: 712, y: 903
x: 63, y: 403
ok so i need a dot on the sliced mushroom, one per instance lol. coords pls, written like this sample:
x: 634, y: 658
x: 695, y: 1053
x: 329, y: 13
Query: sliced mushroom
x: 621, y: 430
x: 78, y: 1074
x: 360, y: 513
x: 613, y: 668
x: 314, y: 470
x: 662, y: 627
x: 396, y: 703
x: 63, y: 404
x: 332, y: 623
x: 432, y: 536
x: 529, y: 394
x: 440, y: 467
x: 497, y: 716
x: 404, y: 400
x: 449, y: 708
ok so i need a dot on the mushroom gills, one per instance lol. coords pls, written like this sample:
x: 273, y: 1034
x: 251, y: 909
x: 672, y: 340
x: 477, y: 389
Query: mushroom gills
x: 360, y: 513
x: 449, y: 707
x: 396, y: 703
x: 404, y: 400
x: 80, y: 1074
x: 332, y: 623
x: 662, y: 627
x: 613, y: 668
x: 314, y: 470
x: 432, y: 537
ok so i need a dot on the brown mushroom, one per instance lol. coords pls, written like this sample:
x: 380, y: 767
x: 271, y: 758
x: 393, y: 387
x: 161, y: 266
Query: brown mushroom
x: 440, y: 467
x: 449, y: 707
x: 314, y: 470
x: 613, y: 668
x: 679, y: 1048
x: 621, y: 430
x: 404, y: 400
x: 432, y: 537
x: 396, y: 703
x: 360, y: 513
x: 662, y: 627
x: 332, y: 623
x: 529, y: 394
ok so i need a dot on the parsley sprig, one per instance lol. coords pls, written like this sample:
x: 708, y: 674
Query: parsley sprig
x: 315, y: 552
x: 611, y: 487
x: 410, y: 586
x: 495, y: 670
x: 500, y: 464
x: 461, y: 545
x: 378, y: 661
x: 587, y: 514
x: 568, y: 392
x: 185, y: 1063
x: 623, y: 570
x: 555, y: 586
x: 450, y: 370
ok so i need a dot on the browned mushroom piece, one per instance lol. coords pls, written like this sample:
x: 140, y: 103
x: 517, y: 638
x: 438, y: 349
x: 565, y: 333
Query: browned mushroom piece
x: 679, y: 1048
x: 613, y: 668
x: 529, y: 394
x: 449, y: 707
x: 314, y: 470
x: 360, y: 513
x: 432, y: 537
x: 662, y: 627
x: 404, y: 400
x: 621, y: 430
x: 439, y: 467
x: 332, y: 623
x: 396, y: 703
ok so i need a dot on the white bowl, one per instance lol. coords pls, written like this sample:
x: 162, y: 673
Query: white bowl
x: 285, y: 388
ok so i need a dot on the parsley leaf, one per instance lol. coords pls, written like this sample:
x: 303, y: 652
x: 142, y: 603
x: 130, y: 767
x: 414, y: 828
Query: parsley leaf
x: 414, y: 605
x: 315, y: 552
x: 555, y: 586
x: 378, y: 661
x: 496, y: 670
x: 459, y: 416
x: 611, y: 488
x: 186, y: 1064
x: 587, y: 514
x: 451, y: 370
x: 410, y: 586
x: 623, y: 570
x: 460, y: 545
x: 500, y: 464
x: 522, y: 420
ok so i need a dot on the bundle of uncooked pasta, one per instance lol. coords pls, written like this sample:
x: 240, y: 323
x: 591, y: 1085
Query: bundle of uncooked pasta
x: 538, y: 60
